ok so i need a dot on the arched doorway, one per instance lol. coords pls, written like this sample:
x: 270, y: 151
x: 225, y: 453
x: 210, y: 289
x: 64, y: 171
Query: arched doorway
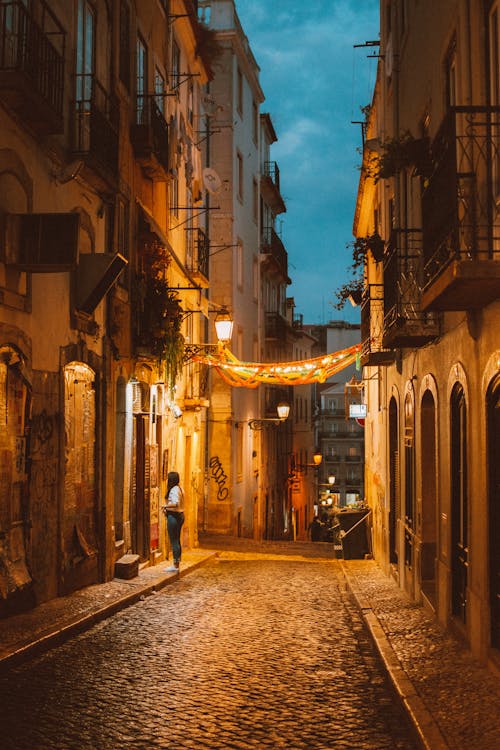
x: 409, y: 491
x: 429, y: 497
x: 393, y: 479
x: 120, y: 427
x: 493, y: 442
x: 459, y: 503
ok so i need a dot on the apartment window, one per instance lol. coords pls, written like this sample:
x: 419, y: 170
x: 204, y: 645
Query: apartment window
x: 255, y: 200
x: 255, y: 278
x: 176, y: 65
x: 141, y: 78
x: 124, y: 54
x: 160, y: 90
x: 189, y: 234
x: 123, y: 224
x: 190, y: 104
x: 174, y: 195
x: 255, y: 120
x: 450, y: 69
x: 239, y: 91
x: 85, y: 53
x: 494, y: 64
x: 239, y: 158
x: 239, y: 265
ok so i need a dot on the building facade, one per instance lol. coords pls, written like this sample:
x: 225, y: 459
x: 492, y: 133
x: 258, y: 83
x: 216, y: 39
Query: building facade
x: 103, y: 272
x: 427, y: 215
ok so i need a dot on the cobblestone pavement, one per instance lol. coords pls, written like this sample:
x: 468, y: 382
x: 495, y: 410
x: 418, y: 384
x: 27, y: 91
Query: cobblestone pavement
x: 246, y: 652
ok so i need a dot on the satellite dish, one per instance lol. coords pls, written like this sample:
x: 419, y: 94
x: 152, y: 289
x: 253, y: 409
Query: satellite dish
x: 211, y: 180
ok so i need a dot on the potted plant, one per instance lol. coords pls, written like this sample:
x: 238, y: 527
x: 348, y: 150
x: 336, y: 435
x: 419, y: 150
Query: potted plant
x: 395, y: 154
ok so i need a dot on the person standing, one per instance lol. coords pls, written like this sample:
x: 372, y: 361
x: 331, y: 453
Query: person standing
x: 174, y: 511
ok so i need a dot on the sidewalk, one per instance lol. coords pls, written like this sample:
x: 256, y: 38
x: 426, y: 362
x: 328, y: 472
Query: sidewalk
x: 453, y: 701
x: 30, y: 633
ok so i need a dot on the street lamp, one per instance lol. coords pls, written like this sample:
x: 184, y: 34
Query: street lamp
x: 224, y: 331
x: 317, y: 459
x: 283, y: 410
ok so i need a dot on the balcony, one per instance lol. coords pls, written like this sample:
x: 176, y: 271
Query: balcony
x: 277, y: 257
x: 276, y: 326
x: 32, y: 65
x: 373, y: 351
x: 270, y: 187
x: 405, y: 325
x: 197, y: 255
x: 149, y: 138
x: 95, y: 133
x: 461, y: 231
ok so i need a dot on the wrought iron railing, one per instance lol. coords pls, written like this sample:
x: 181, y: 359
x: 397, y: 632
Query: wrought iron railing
x: 149, y: 115
x: 33, y: 49
x: 271, y: 244
x: 272, y: 171
x: 460, y: 197
x: 403, y: 281
x: 198, y: 254
x: 96, y: 122
x: 276, y: 326
x: 372, y: 324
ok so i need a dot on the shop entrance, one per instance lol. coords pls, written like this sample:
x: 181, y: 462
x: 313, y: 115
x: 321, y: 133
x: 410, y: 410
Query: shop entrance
x: 429, y: 498
x: 493, y: 437
x: 459, y: 503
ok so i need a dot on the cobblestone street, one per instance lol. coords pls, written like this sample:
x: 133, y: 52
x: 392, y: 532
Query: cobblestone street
x: 246, y: 652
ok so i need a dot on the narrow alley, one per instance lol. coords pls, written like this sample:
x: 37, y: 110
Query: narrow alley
x: 249, y: 651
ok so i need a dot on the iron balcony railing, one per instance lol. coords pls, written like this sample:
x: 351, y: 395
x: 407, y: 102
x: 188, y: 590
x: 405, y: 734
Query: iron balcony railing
x: 373, y: 351
x: 272, y: 171
x: 459, y: 203
x: 198, y: 251
x: 150, y: 133
x: 276, y: 326
x: 404, y: 322
x: 272, y: 245
x: 96, y: 123
x: 34, y: 48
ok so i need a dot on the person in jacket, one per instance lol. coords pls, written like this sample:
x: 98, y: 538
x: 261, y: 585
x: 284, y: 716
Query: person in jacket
x: 174, y: 511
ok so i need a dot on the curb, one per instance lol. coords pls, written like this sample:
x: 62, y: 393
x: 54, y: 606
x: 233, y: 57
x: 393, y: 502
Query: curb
x: 424, y: 723
x: 63, y: 633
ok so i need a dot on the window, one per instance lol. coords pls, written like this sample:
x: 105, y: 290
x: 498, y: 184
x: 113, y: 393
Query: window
x: 85, y: 54
x: 255, y: 120
x: 239, y: 175
x: 255, y: 278
x: 124, y: 54
x: 190, y: 104
x: 141, y: 79
x: 239, y: 91
x: 160, y: 91
x: 176, y: 65
x: 255, y: 200
x: 494, y: 64
x: 189, y: 234
x: 123, y: 221
x: 451, y: 75
x: 174, y: 195
x: 239, y: 265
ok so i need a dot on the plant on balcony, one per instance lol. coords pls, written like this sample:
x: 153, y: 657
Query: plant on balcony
x: 352, y: 290
x: 159, y: 313
x: 396, y: 154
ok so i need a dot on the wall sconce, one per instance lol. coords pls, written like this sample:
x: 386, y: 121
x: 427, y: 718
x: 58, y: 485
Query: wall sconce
x: 283, y: 410
x: 224, y: 331
x: 317, y: 459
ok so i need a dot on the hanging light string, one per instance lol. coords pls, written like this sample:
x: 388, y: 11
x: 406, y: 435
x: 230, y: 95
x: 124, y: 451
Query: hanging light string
x: 251, y: 374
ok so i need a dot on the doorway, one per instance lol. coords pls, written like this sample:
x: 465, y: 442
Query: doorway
x: 493, y: 441
x: 459, y: 503
x: 429, y: 498
x: 393, y: 479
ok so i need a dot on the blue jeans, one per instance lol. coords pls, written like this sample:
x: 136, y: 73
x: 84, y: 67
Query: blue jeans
x: 175, y: 519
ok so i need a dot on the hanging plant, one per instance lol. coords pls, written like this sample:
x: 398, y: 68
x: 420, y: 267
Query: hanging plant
x: 352, y: 290
x: 396, y: 154
x: 208, y: 46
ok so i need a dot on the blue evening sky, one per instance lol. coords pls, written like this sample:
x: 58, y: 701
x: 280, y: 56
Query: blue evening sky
x: 315, y: 82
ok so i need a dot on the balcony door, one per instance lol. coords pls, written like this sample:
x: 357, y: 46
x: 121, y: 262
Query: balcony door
x: 493, y: 438
x: 85, y: 54
x: 459, y: 503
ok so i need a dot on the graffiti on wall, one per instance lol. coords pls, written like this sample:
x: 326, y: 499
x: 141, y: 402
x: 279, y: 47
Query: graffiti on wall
x: 220, y: 477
